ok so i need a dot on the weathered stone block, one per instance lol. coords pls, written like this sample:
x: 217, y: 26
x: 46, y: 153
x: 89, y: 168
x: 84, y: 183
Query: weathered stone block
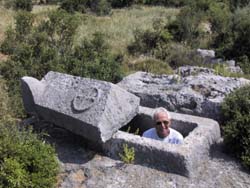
x: 194, y: 91
x: 199, y: 135
x: 91, y: 108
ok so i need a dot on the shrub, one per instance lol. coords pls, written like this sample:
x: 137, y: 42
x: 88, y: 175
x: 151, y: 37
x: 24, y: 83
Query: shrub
x: 19, y: 4
x: 74, y: 5
x: 234, y: 4
x: 25, y: 160
x: 4, y: 99
x: 36, y: 49
x: 236, y: 121
x: 100, y: 7
x: 23, y: 4
x: 151, y: 65
x: 200, y: 22
x: 173, y: 3
x: 122, y: 3
x: 244, y: 64
x: 151, y: 42
x: 128, y: 155
x: 92, y: 59
x: 180, y: 55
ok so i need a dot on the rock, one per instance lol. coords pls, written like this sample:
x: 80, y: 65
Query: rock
x: 91, y: 108
x: 230, y: 63
x: 206, y: 53
x: 197, y: 94
x: 192, y: 70
x: 98, y: 171
x: 235, y: 69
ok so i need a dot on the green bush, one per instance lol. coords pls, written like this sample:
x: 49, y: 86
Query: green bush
x: 19, y: 4
x: 100, y: 7
x: 244, y: 64
x: 122, y: 3
x: 35, y: 49
x: 74, y: 5
x: 25, y: 160
x: 4, y: 99
x: 236, y: 124
x: 173, y: 3
x: 151, y: 65
x: 200, y: 22
x: 150, y: 42
x: 234, y: 4
x: 23, y: 4
x: 92, y: 59
x: 180, y: 55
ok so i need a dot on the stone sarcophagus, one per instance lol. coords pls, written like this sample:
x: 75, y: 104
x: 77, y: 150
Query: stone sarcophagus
x: 100, y: 112
x: 90, y: 108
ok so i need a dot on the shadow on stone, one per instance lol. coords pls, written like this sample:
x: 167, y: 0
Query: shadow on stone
x: 70, y: 148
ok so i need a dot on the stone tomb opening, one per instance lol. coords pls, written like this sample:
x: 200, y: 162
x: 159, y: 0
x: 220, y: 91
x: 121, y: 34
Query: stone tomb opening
x: 185, y: 159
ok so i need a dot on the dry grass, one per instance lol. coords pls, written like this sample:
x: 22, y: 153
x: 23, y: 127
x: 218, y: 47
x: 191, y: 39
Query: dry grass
x: 118, y: 28
x: 43, y: 9
x: 6, y: 20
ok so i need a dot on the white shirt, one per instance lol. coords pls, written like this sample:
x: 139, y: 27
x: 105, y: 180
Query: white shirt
x: 174, y: 136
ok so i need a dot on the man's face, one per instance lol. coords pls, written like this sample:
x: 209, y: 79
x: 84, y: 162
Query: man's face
x: 162, y: 124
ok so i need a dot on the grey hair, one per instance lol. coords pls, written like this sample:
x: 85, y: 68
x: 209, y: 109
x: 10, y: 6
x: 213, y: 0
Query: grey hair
x: 159, y: 110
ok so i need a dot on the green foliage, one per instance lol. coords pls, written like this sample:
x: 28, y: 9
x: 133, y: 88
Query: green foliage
x: 19, y: 4
x: 35, y: 49
x: 235, y: 41
x: 199, y: 23
x: 236, y: 120
x: 122, y: 3
x: 4, y: 99
x: 220, y: 69
x: 151, y: 42
x: 234, y: 4
x: 74, y: 5
x: 244, y: 64
x: 23, y: 4
x: 136, y: 131
x: 92, y: 59
x: 25, y: 160
x: 174, y: 3
x: 180, y: 55
x: 128, y: 155
x: 151, y: 65
x: 100, y: 7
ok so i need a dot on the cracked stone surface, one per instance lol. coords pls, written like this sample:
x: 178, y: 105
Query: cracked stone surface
x: 193, y: 90
x: 84, y: 168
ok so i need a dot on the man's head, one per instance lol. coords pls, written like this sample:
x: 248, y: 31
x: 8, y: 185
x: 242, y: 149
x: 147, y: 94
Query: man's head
x: 162, y: 121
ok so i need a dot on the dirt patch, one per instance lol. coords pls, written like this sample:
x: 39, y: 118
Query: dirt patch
x: 3, y: 57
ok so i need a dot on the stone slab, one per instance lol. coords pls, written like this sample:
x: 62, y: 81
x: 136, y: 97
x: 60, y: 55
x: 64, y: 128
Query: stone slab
x: 194, y: 91
x: 91, y: 108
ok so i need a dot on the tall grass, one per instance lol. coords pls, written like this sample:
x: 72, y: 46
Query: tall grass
x: 118, y: 28
x: 6, y: 20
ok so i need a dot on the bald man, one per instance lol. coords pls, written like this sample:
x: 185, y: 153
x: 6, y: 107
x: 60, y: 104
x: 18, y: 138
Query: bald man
x: 162, y: 130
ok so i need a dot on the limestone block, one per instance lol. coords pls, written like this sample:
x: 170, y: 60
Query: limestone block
x: 194, y: 91
x: 186, y: 159
x: 91, y: 108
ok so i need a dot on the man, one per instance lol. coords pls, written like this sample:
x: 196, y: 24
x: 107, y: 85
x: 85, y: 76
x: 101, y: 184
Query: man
x: 162, y: 130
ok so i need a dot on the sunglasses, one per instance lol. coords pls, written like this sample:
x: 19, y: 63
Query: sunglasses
x: 164, y: 122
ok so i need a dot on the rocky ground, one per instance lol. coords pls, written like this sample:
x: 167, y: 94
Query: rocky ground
x: 84, y: 168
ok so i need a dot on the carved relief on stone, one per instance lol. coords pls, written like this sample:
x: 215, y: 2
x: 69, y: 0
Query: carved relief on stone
x: 85, y: 99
